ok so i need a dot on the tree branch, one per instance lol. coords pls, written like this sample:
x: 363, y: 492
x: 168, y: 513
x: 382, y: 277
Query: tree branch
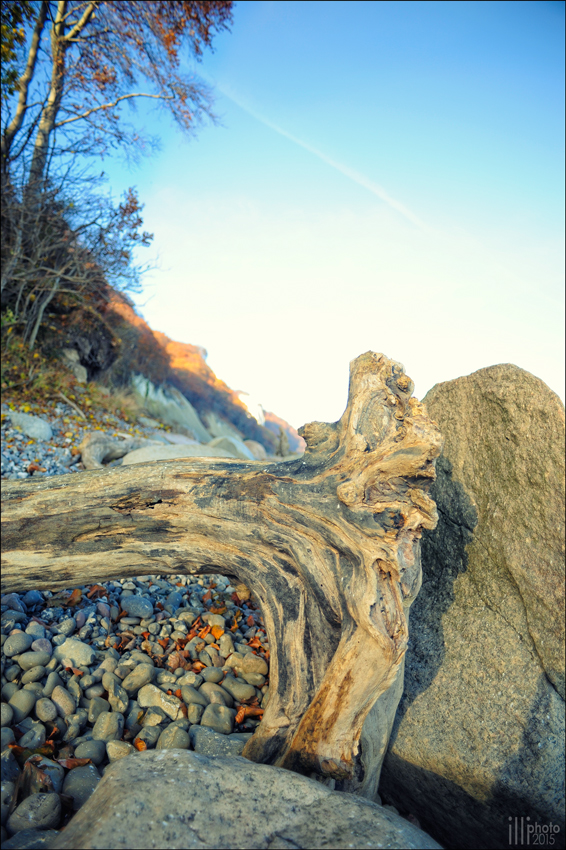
x: 114, y: 103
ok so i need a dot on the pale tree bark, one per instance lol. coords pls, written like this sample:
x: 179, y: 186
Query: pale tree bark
x: 23, y: 85
x: 61, y: 40
x: 329, y: 544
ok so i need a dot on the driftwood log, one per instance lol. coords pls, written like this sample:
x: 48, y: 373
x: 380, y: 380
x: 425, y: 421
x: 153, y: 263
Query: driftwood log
x: 329, y: 544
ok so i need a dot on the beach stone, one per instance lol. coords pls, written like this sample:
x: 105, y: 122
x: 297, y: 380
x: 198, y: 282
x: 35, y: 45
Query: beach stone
x: 34, y: 737
x: 36, y: 630
x: 53, y: 680
x: 7, y: 737
x: 479, y: 734
x: 79, y: 653
x: 154, y: 716
x: 97, y: 706
x: 149, y: 735
x: 141, y: 675
x: 30, y: 839
x: 16, y: 644
x: 108, y: 727
x: 27, y: 660
x: 255, y: 679
x: 117, y: 696
x: 188, y: 616
x: 64, y: 702
x: 226, y: 645
x: 229, y: 803
x: 213, y: 674
x: 238, y: 690
x: 150, y: 695
x: 80, y: 783
x: 214, y: 620
x: 6, y: 793
x: 191, y: 695
x: 119, y: 749
x: 38, y: 811
x: 254, y: 664
x: 204, y: 740
x: 137, y: 606
x: 219, y: 718
x: 216, y: 694
x: 194, y: 712
x: 173, y: 737
x: 190, y: 678
x: 45, y: 710
x: 42, y: 645
x: 21, y: 703
x: 7, y: 714
x: 34, y: 674
x: 94, y: 750
x: 33, y: 597
x: 32, y: 426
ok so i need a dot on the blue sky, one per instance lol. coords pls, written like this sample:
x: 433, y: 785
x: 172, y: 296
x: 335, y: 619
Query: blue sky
x: 385, y: 176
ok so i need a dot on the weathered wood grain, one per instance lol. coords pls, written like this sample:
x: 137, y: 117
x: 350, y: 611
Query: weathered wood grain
x: 329, y: 543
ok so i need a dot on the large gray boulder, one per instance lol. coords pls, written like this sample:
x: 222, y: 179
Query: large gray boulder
x: 479, y: 735
x: 170, y: 406
x: 182, y: 799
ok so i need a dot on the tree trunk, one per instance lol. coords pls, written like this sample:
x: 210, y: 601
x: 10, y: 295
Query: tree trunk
x: 329, y: 543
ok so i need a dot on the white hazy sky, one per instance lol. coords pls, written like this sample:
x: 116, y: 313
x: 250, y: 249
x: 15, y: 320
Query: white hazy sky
x: 385, y: 176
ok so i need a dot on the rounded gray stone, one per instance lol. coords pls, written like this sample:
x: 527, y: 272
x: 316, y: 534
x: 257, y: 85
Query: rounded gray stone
x: 79, y: 653
x: 119, y: 749
x: 94, y: 750
x: 34, y: 674
x: 80, y: 783
x: 194, y: 712
x: 38, y: 811
x: 45, y: 710
x: 238, y: 690
x: 213, y: 674
x: 217, y: 694
x: 6, y: 737
x: 191, y: 695
x: 141, y: 675
x: 7, y: 714
x: 108, y: 727
x: 32, y: 426
x: 137, y: 606
x: 219, y: 718
x: 27, y: 660
x: 16, y: 644
x: 173, y: 738
x: 64, y: 702
x: 42, y: 645
x: 22, y: 703
x: 34, y: 737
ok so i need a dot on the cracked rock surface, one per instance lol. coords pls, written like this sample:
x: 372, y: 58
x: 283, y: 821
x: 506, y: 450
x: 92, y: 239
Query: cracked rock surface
x: 479, y: 735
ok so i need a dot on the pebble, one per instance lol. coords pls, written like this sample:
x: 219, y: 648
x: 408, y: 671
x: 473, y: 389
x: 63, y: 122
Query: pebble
x: 80, y: 783
x: 38, y: 811
x: 17, y: 643
x: 219, y: 718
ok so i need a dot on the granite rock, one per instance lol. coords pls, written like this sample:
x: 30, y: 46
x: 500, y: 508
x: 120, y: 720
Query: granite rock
x: 189, y: 800
x: 479, y: 734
